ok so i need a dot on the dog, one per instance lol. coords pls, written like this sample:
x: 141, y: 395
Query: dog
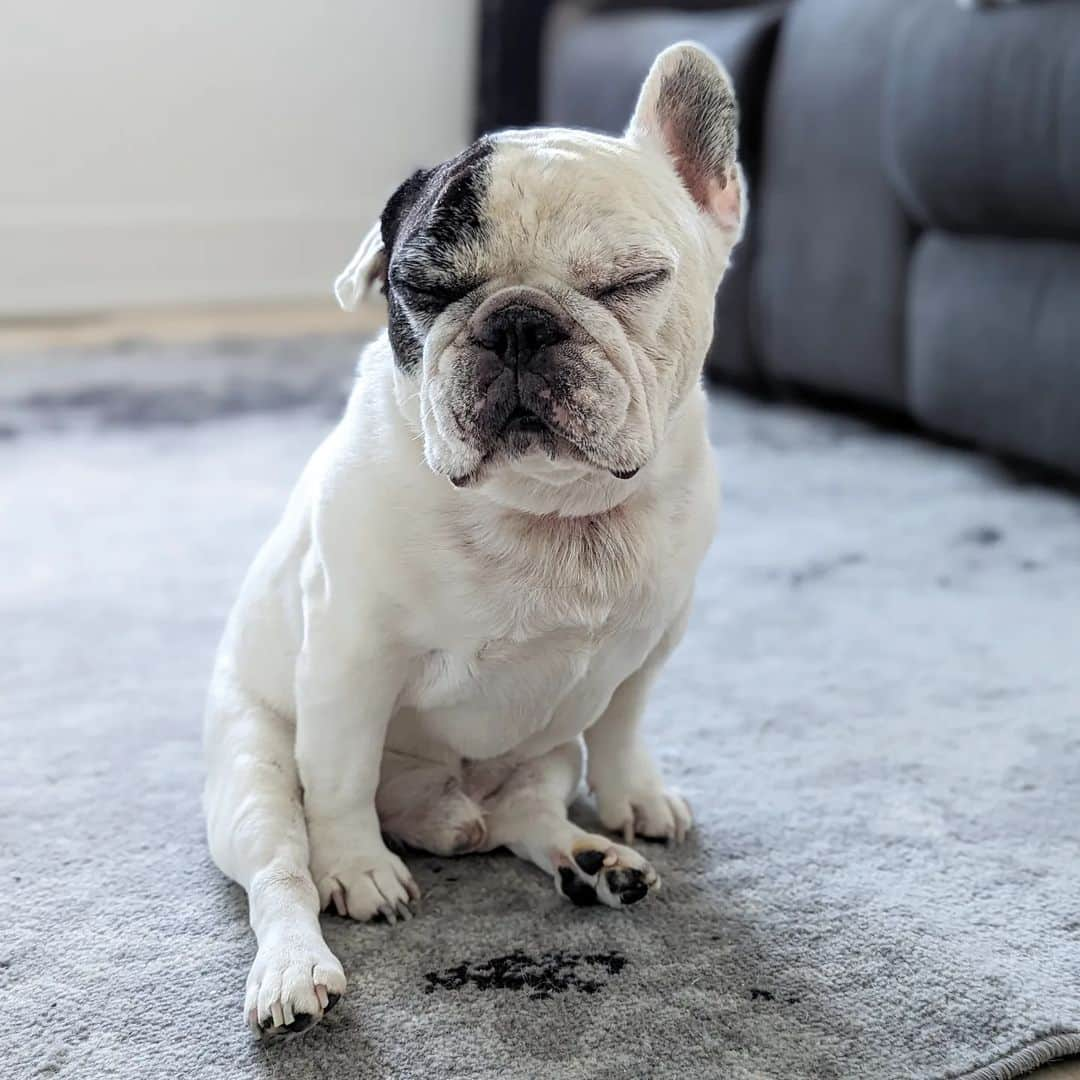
x: 487, y: 561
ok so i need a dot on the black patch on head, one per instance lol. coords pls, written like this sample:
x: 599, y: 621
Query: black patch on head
x: 399, y: 204
x: 434, y: 212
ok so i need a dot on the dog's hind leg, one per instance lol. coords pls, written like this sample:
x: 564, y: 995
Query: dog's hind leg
x: 422, y: 804
x: 258, y: 837
x: 527, y: 814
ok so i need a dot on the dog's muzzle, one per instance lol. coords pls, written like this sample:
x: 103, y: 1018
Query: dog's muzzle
x: 524, y: 376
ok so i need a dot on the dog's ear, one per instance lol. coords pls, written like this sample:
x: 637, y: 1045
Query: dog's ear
x: 687, y: 107
x: 372, y: 259
x: 367, y: 267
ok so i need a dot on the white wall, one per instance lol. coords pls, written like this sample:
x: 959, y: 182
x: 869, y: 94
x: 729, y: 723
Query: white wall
x: 213, y: 150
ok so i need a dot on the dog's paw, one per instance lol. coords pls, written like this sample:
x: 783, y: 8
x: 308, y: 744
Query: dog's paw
x: 646, y: 810
x: 293, y: 984
x: 597, y: 871
x: 364, y: 886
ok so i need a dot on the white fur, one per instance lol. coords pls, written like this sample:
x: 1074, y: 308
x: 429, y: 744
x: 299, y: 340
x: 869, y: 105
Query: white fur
x: 410, y: 657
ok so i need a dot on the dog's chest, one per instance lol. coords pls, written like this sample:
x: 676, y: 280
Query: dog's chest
x: 535, y: 651
x: 490, y: 696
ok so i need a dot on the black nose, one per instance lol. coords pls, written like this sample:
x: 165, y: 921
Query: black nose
x: 517, y: 333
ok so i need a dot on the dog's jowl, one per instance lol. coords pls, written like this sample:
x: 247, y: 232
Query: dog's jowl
x: 484, y: 565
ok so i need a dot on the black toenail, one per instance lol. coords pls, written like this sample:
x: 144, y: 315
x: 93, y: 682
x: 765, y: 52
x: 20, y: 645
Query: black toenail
x: 574, y: 889
x: 590, y: 861
x: 333, y: 1000
x: 302, y: 1022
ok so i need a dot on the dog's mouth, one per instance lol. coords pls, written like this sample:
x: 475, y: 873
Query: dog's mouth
x: 524, y: 429
x: 525, y: 420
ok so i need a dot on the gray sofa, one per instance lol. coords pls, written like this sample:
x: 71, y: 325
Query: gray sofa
x: 915, y: 193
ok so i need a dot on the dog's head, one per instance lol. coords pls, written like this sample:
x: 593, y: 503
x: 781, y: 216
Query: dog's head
x: 550, y: 292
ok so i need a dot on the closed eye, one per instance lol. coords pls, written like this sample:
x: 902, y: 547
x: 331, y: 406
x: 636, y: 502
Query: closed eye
x: 633, y: 285
x: 428, y: 293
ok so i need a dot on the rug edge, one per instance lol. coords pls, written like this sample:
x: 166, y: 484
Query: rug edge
x: 1024, y: 1059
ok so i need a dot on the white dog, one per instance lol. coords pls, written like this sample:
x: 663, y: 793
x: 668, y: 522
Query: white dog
x: 494, y: 551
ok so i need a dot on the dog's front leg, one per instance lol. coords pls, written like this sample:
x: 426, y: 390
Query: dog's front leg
x: 346, y: 690
x: 630, y: 793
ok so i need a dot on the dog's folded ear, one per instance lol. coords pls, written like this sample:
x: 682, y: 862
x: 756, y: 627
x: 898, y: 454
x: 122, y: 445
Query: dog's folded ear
x: 687, y: 108
x: 367, y: 267
x: 371, y: 262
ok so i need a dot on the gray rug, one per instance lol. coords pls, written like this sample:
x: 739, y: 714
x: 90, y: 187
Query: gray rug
x: 876, y: 716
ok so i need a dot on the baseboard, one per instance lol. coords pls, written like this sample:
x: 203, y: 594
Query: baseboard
x: 79, y: 260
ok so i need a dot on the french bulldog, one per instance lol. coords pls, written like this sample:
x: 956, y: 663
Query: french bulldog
x: 484, y: 565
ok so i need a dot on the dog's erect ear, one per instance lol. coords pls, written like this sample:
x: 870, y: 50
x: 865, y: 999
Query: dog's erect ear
x: 367, y: 267
x: 687, y: 107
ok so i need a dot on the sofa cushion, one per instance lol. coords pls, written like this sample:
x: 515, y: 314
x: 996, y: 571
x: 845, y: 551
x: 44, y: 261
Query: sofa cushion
x: 831, y: 273
x: 993, y: 332
x: 594, y: 70
x: 981, y: 123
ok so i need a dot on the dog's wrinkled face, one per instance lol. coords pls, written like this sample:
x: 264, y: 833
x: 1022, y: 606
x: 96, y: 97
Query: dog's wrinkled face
x: 550, y: 292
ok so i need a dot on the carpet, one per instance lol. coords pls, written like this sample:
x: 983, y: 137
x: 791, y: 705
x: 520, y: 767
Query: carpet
x: 875, y: 714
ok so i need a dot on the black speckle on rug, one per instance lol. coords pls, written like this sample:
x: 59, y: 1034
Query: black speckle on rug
x: 982, y: 536
x: 540, y: 977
